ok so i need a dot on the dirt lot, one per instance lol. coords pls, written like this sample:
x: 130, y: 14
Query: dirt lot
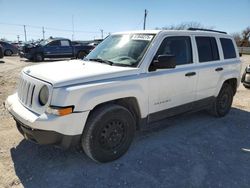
x: 193, y: 150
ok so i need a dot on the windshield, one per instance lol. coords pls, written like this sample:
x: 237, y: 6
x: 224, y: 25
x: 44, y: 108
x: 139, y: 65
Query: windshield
x: 123, y: 49
x: 44, y: 42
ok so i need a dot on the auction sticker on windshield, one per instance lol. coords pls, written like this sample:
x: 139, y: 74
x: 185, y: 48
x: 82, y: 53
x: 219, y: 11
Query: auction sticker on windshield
x: 142, y: 37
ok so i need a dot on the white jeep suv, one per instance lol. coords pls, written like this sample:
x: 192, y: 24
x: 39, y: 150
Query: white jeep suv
x: 129, y: 80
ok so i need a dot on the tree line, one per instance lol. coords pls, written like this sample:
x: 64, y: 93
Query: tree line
x: 242, y: 38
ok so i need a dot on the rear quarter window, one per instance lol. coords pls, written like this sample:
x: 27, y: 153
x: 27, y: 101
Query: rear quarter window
x: 228, y: 48
x: 65, y: 43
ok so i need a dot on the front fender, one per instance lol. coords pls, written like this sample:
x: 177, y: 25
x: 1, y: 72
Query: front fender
x: 86, y: 97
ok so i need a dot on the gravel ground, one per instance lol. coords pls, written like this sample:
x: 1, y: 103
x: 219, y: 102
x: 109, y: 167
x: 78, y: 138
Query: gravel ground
x: 193, y: 150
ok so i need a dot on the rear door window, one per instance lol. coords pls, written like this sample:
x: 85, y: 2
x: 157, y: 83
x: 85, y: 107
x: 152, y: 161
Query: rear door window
x: 65, y: 43
x: 207, y: 49
x: 228, y: 48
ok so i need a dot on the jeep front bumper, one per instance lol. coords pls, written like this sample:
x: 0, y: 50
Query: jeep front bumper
x: 64, y: 131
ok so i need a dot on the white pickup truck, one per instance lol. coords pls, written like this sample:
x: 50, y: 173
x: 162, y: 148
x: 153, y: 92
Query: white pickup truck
x: 129, y: 80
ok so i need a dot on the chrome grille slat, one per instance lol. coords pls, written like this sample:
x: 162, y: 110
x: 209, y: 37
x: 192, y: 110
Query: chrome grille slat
x: 29, y: 98
x: 32, y: 94
x: 25, y: 92
x: 18, y: 89
x: 22, y: 90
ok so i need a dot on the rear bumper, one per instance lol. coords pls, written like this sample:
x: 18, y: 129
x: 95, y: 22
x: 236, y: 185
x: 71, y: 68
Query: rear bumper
x: 1, y: 53
x: 246, y: 79
x: 247, y: 84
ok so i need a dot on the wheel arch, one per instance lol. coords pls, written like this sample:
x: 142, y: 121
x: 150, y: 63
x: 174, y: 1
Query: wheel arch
x: 130, y: 103
x: 8, y: 50
x: 77, y: 54
x: 232, y: 81
x: 41, y: 53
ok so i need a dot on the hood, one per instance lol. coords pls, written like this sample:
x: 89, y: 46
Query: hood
x: 32, y: 44
x: 71, y: 72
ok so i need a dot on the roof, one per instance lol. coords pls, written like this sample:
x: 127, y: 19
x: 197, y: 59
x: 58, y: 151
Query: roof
x: 198, y: 32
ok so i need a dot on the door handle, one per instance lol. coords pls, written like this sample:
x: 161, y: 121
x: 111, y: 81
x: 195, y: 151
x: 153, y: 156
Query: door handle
x: 190, y: 74
x: 219, y: 69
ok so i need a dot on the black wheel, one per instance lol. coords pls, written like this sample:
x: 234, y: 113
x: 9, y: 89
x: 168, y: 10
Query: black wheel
x: 38, y: 57
x: 108, y: 133
x: 81, y: 55
x: 8, y: 52
x: 223, y: 102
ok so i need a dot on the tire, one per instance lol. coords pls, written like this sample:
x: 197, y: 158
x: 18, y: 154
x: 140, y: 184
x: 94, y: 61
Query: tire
x: 38, y: 57
x: 223, y: 102
x: 81, y: 54
x: 108, y: 133
x: 8, y: 52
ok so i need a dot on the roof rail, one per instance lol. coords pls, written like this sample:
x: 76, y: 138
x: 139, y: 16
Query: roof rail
x: 199, y: 29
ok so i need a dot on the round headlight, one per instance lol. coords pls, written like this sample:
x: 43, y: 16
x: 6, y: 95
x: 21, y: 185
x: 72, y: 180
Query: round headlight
x: 44, y: 95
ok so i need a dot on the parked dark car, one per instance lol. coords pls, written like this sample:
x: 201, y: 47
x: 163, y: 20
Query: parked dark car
x: 78, y: 42
x: 8, y: 49
x: 54, y: 48
x: 246, y: 77
x: 90, y: 42
x: 1, y: 51
x: 95, y: 42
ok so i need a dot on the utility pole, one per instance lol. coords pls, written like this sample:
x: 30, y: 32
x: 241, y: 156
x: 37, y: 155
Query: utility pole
x: 145, y: 18
x: 25, y: 35
x: 73, y: 27
x: 18, y: 39
x: 43, y: 34
x: 101, y: 32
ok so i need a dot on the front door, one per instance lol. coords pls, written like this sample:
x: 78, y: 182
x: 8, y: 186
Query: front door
x: 172, y: 91
x: 51, y: 49
x: 66, y: 50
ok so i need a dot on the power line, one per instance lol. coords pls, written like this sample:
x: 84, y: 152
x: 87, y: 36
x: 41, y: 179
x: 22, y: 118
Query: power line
x: 50, y: 28
x: 139, y: 24
x: 25, y: 27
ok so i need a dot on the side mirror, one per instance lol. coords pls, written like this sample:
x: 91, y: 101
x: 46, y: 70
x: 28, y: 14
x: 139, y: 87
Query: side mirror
x: 164, y: 62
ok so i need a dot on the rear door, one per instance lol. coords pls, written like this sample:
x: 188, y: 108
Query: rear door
x: 65, y: 50
x: 209, y: 66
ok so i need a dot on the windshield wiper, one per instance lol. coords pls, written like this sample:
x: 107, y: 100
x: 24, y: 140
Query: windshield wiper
x: 121, y: 65
x: 102, y: 61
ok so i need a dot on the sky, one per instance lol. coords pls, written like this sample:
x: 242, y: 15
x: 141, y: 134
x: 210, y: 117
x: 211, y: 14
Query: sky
x: 89, y: 17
